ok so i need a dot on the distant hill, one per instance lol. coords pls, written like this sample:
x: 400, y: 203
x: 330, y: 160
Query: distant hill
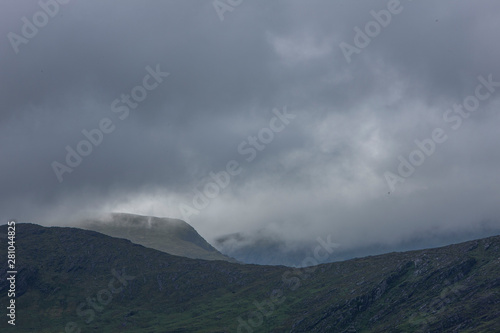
x: 74, y: 280
x: 265, y: 247
x: 165, y: 234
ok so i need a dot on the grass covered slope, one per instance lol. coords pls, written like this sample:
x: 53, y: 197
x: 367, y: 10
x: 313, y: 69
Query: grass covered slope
x: 80, y: 279
x: 173, y: 236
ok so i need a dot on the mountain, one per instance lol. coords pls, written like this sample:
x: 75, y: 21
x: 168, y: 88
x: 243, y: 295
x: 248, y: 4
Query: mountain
x: 168, y: 235
x: 265, y: 247
x: 75, y: 280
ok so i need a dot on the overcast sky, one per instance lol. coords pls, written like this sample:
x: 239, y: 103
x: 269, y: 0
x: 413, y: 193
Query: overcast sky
x: 350, y: 105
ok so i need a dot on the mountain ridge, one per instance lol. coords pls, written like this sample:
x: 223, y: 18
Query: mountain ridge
x: 169, y: 235
x: 448, y: 289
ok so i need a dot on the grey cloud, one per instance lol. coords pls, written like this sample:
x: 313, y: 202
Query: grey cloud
x: 323, y: 174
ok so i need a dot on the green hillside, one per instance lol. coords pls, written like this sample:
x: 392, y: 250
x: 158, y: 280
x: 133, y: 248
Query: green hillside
x: 70, y: 278
x: 173, y: 236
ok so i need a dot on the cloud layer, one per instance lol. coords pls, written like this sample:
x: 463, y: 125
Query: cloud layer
x: 324, y: 173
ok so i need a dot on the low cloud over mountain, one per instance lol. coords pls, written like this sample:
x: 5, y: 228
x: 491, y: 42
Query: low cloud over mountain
x: 397, y: 140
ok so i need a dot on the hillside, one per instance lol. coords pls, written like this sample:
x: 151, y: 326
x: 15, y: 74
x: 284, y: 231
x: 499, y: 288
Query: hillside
x: 165, y: 234
x: 83, y: 280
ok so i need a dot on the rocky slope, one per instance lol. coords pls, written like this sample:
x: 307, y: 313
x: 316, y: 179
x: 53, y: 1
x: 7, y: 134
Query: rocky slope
x: 72, y: 280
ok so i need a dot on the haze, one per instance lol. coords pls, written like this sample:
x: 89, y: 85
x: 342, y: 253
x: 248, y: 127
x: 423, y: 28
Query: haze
x: 343, y: 117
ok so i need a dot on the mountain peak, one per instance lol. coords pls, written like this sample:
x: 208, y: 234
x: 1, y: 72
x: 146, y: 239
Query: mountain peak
x: 169, y: 235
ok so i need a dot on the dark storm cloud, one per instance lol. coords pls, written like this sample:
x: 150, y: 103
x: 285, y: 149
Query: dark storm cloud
x: 324, y: 173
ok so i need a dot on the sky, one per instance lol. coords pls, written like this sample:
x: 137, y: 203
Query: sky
x: 371, y: 122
